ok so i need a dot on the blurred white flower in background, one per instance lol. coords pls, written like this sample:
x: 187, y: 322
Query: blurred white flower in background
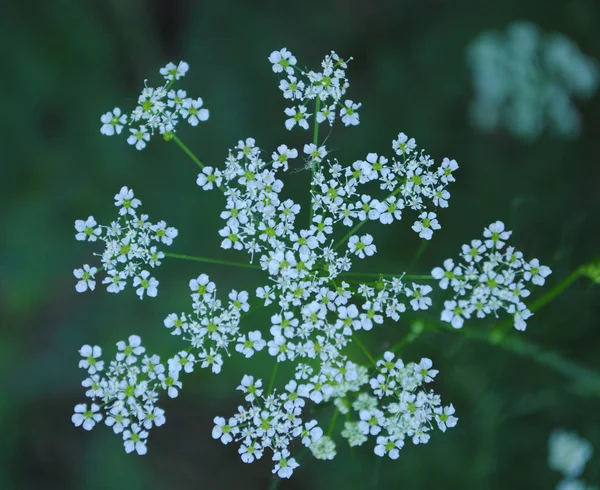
x: 525, y: 79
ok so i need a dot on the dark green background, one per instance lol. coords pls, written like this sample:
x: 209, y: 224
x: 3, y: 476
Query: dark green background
x: 66, y: 62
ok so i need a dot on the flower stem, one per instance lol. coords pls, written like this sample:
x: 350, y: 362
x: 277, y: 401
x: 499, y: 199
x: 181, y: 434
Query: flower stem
x: 187, y: 151
x: 416, y: 329
x: 315, y: 142
x: 364, y: 349
x: 501, y: 329
x: 209, y: 260
x: 272, y: 380
x: 333, y: 420
x: 418, y: 254
x: 378, y: 275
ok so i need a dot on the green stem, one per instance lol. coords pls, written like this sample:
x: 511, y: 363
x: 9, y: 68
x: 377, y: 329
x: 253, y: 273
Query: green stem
x: 416, y: 329
x: 418, y: 254
x: 364, y: 349
x: 333, y: 420
x: 501, y: 329
x: 209, y: 260
x: 187, y: 151
x: 377, y: 275
x: 315, y: 142
x: 272, y: 380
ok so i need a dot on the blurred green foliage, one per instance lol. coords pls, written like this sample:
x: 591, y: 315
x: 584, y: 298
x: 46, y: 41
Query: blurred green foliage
x: 65, y: 62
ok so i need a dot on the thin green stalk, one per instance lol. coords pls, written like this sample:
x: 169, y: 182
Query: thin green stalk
x: 378, y: 275
x: 582, y: 376
x: 316, y: 143
x: 416, y: 329
x: 209, y: 260
x: 501, y: 329
x: 364, y: 349
x: 333, y: 420
x: 272, y: 380
x: 418, y: 254
x: 187, y: 151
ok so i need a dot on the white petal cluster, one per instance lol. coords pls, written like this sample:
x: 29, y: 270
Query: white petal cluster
x: 125, y: 394
x: 131, y: 247
x: 568, y: 453
x: 159, y: 110
x: 409, y: 179
x: 400, y: 408
x: 212, y: 329
x: 269, y: 422
x: 490, y: 278
x: 328, y: 85
x: 524, y: 80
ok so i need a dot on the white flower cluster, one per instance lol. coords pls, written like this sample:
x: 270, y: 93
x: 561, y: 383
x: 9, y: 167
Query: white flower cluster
x: 211, y: 328
x: 272, y: 421
x: 159, y: 110
x: 411, y: 182
x: 569, y: 454
x: 131, y: 246
x: 524, y: 80
x: 327, y: 86
x: 401, y: 407
x: 490, y: 279
x: 124, y: 395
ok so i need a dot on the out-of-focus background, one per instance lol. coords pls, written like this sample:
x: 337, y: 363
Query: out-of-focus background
x: 66, y: 62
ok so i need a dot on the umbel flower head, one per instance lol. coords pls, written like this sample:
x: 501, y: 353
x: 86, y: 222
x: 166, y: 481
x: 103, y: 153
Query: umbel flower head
x: 317, y: 306
x: 131, y: 247
x: 159, y: 110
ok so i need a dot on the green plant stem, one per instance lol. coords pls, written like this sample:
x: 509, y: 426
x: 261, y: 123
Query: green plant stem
x: 364, y: 349
x: 416, y: 329
x: 316, y: 143
x: 187, y: 151
x: 418, y: 254
x: 333, y: 420
x: 503, y: 328
x: 377, y: 275
x: 273, y: 375
x: 209, y: 260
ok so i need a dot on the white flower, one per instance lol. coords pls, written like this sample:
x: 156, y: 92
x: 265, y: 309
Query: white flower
x: 86, y: 278
x: 362, y: 246
x: 496, y: 235
x: 247, y: 347
x: 251, y: 388
x: 426, y: 224
x: 174, y: 72
x: 282, y: 155
x: 113, y: 122
x: 87, y: 230
x: 386, y: 445
x: 447, y: 274
x: 90, y: 359
x: 224, y: 430
x: 147, y: 284
x: 323, y: 448
x: 192, y: 111
x: 297, y: 115
x: 284, y: 467
x: 455, y: 312
x: 86, y: 418
x: 348, y: 113
x: 138, y: 137
x: 129, y: 351
x: 282, y: 60
x: 184, y: 360
x: 135, y: 439
x: 402, y: 145
x: 126, y: 201
x: 568, y: 453
x: 536, y: 273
